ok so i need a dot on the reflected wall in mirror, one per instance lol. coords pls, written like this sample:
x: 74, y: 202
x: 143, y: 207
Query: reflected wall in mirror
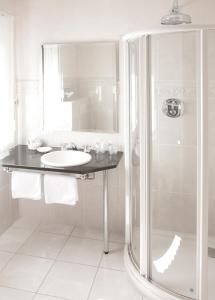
x: 80, y: 84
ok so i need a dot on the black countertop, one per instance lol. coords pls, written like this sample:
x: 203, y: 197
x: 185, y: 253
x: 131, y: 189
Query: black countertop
x: 21, y: 157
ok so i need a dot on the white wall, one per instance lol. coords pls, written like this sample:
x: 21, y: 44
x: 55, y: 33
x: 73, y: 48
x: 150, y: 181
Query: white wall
x: 7, y: 6
x: 66, y: 20
x: 40, y: 21
x: 71, y: 20
x: 8, y: 208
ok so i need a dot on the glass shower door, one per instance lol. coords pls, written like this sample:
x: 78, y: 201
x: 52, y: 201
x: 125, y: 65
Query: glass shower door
x: 174, y: 75
x: 134, y: 150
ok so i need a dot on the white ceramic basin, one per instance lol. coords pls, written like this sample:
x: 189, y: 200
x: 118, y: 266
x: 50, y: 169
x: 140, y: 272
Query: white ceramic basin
x: 67, y: 158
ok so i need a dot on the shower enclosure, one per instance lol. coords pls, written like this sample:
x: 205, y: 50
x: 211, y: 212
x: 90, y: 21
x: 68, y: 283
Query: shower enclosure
x: 170, y: 162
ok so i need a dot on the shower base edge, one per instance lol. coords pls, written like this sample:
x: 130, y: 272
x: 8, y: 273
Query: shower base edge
x: 146, y: 288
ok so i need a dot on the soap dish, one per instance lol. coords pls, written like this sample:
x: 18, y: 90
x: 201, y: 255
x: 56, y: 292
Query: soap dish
x: 44, y: 149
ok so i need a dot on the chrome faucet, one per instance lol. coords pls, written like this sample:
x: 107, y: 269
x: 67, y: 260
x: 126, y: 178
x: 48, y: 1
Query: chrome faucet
x: 67, y: 146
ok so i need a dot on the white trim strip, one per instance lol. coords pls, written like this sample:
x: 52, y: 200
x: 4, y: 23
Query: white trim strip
x: 202, y: 173
x: 167, y: 29
x: 126, y: 93
x: 144, y: 117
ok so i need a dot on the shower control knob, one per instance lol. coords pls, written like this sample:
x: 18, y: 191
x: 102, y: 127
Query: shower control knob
x: 173, y: 108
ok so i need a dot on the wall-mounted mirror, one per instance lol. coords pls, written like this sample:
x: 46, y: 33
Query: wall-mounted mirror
x: 80, y: 83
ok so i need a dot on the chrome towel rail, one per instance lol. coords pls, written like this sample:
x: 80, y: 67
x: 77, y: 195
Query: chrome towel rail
x: 88, y: 176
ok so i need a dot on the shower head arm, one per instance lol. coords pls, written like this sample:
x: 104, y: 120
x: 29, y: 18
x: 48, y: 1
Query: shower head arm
x: 175, y: 17
x: 175, y: 6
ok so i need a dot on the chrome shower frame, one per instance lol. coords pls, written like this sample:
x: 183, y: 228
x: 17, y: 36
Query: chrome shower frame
x: 140, y: 275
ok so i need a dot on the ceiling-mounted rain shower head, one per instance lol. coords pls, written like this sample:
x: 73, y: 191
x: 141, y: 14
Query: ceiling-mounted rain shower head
x: 175, y: 17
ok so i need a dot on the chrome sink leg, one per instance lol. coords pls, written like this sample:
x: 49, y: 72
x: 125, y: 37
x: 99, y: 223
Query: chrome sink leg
x: 106, y: 212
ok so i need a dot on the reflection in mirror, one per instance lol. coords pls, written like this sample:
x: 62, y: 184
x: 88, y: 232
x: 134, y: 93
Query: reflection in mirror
x: 80, y: 82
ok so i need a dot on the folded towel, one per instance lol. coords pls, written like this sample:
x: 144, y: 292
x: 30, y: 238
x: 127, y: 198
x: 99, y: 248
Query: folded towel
x: 60, y: 189
x: 26, y: 185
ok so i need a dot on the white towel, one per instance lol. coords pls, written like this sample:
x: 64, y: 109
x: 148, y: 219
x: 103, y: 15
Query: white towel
x: 60, y: 189
x: 26, y: 185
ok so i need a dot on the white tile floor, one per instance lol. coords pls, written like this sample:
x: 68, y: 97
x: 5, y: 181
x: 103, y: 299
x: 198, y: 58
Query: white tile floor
x: 58, y: 262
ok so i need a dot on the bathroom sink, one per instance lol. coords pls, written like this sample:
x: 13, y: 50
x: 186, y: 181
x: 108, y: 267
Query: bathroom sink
x: 67, y: 158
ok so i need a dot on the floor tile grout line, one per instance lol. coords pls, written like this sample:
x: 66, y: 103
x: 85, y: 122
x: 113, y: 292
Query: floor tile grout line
x: 92, y: 285
x: 36, y: 228
x: 98, y: 269
x: 66, y: 240
x: 94, y: 239
x: 21, y: 243
x: 76, y: 263
x: 16, y: 252
x: 37, y: 292
x: 56, y: 260
x: 66, y: 235
x: 49, y: 232
x: 54, y: 263
x: 7, y: 251
x: 70, y: 235
x: 54, y: 297
x: 94, y: 279
x: 17, y: 289
x: 99, y: 239
x: 34, y: 231
x: 60, y: 251
x: 5, y: 266
x: 46, y: 275
x: 34, y: 256
x: 112, y: 269
x: 102, y: 256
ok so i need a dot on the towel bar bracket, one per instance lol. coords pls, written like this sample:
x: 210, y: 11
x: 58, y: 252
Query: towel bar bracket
x: 88, y: 176
x: 8, y: 170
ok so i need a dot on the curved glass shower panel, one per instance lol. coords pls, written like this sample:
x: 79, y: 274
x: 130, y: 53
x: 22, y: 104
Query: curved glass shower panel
x: 174, y: 59
x: 211, y: 163
x: 134, y: 150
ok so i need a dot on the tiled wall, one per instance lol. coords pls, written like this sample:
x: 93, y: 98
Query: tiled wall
x: 29, y: 110
x: 88, y: 212
x: 174, y: 141
x: 8, y: 207
x: 95, y: 107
